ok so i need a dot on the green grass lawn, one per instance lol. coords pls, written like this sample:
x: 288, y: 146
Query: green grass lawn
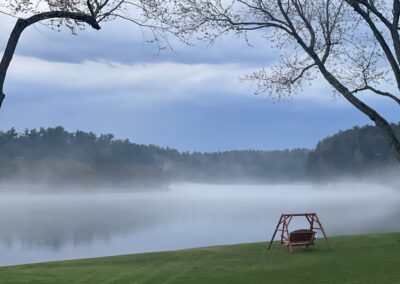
x: 355, y: 259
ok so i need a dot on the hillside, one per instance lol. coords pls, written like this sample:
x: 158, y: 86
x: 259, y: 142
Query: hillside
x: 354, y: 259
x: 353, y: 152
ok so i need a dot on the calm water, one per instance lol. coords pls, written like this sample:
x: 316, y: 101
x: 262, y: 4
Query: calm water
x: 43, y: 227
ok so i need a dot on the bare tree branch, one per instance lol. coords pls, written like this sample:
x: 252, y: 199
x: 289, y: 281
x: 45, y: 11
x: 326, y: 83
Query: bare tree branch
x: 346, y: 41
x: 380, y: 38
x: 22, y: 24
x: 378, y: 92
x: 75, y: 14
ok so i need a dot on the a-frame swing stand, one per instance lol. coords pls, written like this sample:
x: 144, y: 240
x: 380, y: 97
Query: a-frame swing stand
x: 303, y: 237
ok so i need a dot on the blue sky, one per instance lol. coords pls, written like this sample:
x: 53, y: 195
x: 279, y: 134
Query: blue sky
x: 111, y: 81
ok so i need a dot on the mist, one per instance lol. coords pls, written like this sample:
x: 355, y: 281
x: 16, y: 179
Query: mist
x: 48, y: 226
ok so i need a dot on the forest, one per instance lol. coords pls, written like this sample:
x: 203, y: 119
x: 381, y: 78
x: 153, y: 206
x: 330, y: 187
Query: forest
x: 56, y: 156
x: 354, y: 152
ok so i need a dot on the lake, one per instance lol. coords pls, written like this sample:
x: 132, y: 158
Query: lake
x: 43, y: 227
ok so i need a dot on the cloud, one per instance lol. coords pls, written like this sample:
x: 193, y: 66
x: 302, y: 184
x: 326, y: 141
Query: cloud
x: 142, y: 82
x: 124, y: 42
x: 161, y: 81
x: 148, y: 83
x: 6, y: 24
x: 117, y: 59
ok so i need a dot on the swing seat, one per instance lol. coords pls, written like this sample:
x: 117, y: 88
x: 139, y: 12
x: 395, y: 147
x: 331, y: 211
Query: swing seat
x: 302, y: 237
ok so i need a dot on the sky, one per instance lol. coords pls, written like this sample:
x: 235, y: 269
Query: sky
x: 191, y: 98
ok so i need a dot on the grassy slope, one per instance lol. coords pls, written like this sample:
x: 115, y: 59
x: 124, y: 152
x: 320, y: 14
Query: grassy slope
x: 356, y: 259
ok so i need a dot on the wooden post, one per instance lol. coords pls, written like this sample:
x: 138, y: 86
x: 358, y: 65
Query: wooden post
x: 276, y: 230
x: 312, y: 222
x: 286, y: 228
x: 323, y: 231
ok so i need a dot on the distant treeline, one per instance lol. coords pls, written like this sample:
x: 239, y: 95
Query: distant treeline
x: 355, y: 152
x: 54, y: 155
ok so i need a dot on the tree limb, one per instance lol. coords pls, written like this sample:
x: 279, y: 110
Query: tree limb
x: 22, y: 24
x: 379, y: 37
x: 378, y: 92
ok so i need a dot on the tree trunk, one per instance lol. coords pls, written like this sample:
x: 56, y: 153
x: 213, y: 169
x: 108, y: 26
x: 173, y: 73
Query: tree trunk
x: 8, y: 55
x: 379, y: 121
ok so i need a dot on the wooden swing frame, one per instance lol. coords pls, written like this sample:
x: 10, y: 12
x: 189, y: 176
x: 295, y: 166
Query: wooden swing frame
x: 286, y: 239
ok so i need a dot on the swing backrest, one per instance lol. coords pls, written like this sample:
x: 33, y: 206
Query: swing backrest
x: 302, y: 236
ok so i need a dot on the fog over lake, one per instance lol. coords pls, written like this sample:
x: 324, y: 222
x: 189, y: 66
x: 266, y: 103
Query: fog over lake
x: 41, y: 227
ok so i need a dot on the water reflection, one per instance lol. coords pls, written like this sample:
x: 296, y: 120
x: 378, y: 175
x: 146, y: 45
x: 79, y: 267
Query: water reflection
x: 50, y: 221
x: 50, y: 227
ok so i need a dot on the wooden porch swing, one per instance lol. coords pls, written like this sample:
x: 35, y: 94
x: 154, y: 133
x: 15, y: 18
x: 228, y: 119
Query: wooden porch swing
x: 302, y: 237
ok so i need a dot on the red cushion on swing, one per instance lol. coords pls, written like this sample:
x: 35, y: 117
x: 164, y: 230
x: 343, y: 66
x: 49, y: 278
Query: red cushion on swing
x: 302, y: 236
